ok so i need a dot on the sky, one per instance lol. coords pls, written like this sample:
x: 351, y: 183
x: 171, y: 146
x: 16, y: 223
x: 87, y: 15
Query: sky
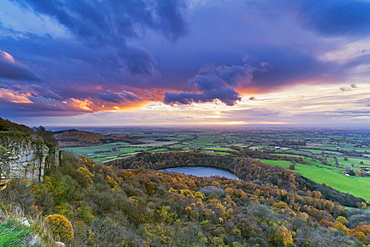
x: 185, y: 62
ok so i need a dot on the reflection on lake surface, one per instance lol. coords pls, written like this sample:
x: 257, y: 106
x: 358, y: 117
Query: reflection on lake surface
x: 202, y: 171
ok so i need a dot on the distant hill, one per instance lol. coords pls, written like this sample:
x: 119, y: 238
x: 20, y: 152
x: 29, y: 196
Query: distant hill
x: 124, y: 138
x: 80, y: 138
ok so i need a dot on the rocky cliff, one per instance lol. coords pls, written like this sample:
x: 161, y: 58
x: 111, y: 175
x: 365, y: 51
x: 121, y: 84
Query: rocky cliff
x: 25, y: 156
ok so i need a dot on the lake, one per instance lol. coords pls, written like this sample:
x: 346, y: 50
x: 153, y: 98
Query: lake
x: 202, y: 171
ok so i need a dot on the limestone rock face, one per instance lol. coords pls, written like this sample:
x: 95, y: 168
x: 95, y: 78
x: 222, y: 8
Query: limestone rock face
x: 25, y: 157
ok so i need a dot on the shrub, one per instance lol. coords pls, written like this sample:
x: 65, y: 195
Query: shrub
x: 60, y: 226
x: 341, y: 219
x: 84, y: 176
x: 86, y: 213
x: 283, y: 236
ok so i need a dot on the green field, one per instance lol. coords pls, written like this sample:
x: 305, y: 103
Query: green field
x: 357, y: 186
x: 318, y: 148
x: 218, y: 149
x: 288, y: 155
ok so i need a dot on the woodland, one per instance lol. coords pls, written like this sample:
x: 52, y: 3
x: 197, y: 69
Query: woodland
x: 128, y: 204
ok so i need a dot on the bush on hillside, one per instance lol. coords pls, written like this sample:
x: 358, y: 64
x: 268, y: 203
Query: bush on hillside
x: 60, y: 226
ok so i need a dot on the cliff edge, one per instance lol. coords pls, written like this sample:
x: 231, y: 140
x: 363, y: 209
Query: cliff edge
x: 25, y: 153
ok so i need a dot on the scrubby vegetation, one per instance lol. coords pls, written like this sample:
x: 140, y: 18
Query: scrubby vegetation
x: 110, y: 206
x: 6, y: 125
x: 13, y: 130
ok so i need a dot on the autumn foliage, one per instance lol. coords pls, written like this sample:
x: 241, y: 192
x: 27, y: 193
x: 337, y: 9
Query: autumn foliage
x: 126, y: 204
x: 60, y: 226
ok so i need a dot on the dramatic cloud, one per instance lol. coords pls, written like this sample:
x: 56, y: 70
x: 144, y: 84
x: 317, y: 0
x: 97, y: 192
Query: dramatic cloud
x: 214, y: 83
x: 113, y: 23
x: 336, y: 18
x: 226, y: 95
x: 12, y: 96
x: 73, y: 57
x: 104, y: 21
x: 138, y: 61
x: 9, y: 69
x: 235, y: 74
x: 288, y: 67
x: 119, y: 98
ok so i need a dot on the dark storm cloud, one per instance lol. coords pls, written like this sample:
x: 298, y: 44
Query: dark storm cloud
x: 139, y: 61
x: 73, y: 70
x: 119, y: 98
x: 112, y: 23
x: 212, y: 88
x: 104, y: 21
x: 232, y: 74
x: 336, y: 18
x: 292, y: 66
x: 225, y: 94
x: 11, y: 70
x: 171, y: 22
x: 214, y: 83
x: 66, y: 61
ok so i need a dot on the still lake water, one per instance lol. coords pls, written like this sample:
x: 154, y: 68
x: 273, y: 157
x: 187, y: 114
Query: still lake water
x: 202, y: 171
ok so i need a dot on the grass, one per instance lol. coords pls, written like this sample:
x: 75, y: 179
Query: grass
x: 221, y: 153
x: 357, y: 186
x: 257, y: 147
x: 289, y: 155
x: 14, y: 234
x: 314, y: 151
x: 159, y: 150
x: 219, y: 149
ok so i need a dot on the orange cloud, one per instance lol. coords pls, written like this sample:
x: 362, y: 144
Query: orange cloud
x: 9, y: 95
x: 81, y: 104
x: 148, y: 96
